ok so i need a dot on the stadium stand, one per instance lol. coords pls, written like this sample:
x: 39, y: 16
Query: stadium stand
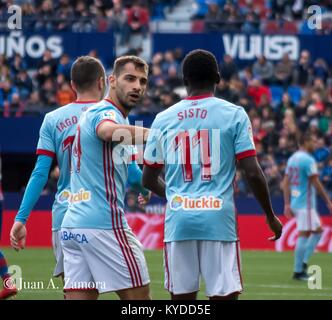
x: 295, y: 96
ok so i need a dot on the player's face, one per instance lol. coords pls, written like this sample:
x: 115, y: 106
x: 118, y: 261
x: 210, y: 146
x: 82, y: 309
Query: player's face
x: 312, y: 144
x: 130, y: 85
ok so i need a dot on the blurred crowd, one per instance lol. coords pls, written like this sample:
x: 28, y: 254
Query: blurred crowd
x: 282, y: 98
x: 266, y: 16
x: 133, y: 16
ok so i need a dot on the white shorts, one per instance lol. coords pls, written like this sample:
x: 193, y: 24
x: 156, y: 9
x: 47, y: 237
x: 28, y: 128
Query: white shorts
x: 307, y: 220
x: 58, y: 254
x: 218, y: 262
x: 105, y: 260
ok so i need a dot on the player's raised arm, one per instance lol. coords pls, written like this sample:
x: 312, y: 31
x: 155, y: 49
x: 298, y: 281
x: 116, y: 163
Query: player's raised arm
x: 314, y: 180
x: 257, y: 182
x: 110, y: 131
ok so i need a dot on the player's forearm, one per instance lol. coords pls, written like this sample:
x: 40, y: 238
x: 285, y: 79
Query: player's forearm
x: 125, y: 134
x: 155, y: 184
x: 321, y: 191
x: 286, y: 191
x: 34, y: 188
x: 158, y: 187
x: 135, y: 178
x: 259, y: 187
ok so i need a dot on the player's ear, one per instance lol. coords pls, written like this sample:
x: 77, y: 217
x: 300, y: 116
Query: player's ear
x: 73, y: 86
x: 112, y: 80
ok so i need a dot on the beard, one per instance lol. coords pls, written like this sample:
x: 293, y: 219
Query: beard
x: 125, y: 101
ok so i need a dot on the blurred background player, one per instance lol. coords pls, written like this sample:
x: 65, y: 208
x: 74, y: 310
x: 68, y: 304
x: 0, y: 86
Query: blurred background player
x: 88, y: 80
x: 300, y: 184
x: 99, y: 247
x: 8, y: 287
x: 200, y: 225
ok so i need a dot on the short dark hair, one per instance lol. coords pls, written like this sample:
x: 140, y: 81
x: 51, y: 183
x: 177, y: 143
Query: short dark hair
x: 200, y: 69
x: 303, y: 137
x: 120, y: 62
x: 85, y: 72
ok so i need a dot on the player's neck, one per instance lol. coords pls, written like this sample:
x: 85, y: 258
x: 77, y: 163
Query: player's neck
x: 86, y: 97
x: 117, y: 104
x: 199, y: 92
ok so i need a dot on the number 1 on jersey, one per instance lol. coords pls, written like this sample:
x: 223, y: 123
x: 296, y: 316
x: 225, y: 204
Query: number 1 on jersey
x: 182, y: 142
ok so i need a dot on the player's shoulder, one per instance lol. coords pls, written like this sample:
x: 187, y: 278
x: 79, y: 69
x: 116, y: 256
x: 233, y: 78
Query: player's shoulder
x: 60, y: 111
x: 103, y: 106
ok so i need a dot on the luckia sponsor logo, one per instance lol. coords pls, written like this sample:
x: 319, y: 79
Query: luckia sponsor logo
x: 203, y: 203
x: 81, y: 196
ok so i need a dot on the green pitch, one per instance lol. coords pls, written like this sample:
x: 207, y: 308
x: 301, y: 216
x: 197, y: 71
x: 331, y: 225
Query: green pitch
x: 266, y: 275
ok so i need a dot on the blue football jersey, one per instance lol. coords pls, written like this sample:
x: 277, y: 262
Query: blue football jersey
x: 56, y: 138
x: 300, y: 167
x: 198, y: 140
x: 99, y: 173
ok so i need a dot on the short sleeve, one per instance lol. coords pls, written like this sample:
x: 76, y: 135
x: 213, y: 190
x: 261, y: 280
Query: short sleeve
x: 287, y: 168
x: 153, y: 154
x: 46, y: 145
x: 244, y: 142
x: 106, y: 115
x: 310, y: 167
x: 133, y: 154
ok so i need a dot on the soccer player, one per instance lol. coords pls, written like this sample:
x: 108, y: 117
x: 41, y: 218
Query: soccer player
x: 88, y: 80
x: 101, y: 254
x: 300, y: 184
x: 9, y: 288
x: 199, y: 140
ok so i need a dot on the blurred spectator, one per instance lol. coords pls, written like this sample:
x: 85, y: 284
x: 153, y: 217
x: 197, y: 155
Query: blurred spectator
x: 34, y: 105
x: 224, y: 91
x: 251, y: 23
x: 137, y: 22
x: 256, y: 90
x: 263, y: 70
x: 173, y: 80
x: 213, y: 17
x: 326, y: 176
x: 65, y: 94
x: 64, y: 66
x: 322, y: 153
x: 285, y: 104
x: 303, y: 71
x: 228, y: 68
x: 117, y: 16
x: 321, y: 69
x: 169, y: 61
x: 24, y: 84
x: 7, y: 90
x: 283, y: 71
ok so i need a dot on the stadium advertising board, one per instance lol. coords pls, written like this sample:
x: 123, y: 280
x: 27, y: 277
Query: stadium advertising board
x: 32, y: 46
x: 245, y: 48
x: 148, y: 228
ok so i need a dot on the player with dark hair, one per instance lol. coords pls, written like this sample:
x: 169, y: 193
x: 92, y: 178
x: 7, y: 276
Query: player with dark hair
x: 199, y: 140
x: 101, y: 252
x: 300, y: 184
x: 88, y: 80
